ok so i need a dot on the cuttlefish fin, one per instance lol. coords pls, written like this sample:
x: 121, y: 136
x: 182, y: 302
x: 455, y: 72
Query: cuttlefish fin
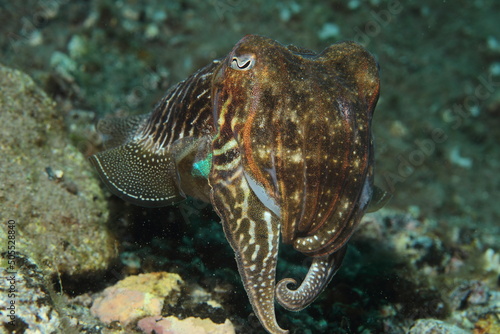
x: 139, y: 175
x: 379, y: 198
x: 117, y: 131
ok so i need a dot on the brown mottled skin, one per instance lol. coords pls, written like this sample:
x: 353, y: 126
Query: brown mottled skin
x: 287, y: 135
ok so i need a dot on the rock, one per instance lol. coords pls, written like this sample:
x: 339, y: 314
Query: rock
x: 191, y: 325
x: 26, y: 302
x: 469, y: 293
x: 490, y: 323
x: 30, y: 305
x: 137, y: 296
x: 433, y: 326
x: 47, y: 187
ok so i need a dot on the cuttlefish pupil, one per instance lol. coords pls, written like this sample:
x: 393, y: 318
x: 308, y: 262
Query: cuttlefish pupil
x: 278, y: 139
x: 243, y: 63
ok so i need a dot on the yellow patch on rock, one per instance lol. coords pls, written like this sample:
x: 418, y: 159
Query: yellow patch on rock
x: 137, y: 296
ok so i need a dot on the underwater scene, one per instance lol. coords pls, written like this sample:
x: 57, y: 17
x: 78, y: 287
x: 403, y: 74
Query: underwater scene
x: 250, y: 167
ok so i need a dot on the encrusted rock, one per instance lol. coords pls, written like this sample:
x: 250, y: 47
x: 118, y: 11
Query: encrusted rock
x: 47, y: 187
x: 29, y: 304
x: 136, y: 297
x: 191, y: 325
x: 434, y: 326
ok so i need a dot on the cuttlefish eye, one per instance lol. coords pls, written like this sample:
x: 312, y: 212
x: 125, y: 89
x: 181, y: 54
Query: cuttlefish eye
x: 243, y: 62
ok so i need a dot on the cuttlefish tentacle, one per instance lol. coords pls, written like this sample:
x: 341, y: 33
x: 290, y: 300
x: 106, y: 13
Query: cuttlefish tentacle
x: 319, y: 275
x: 251, y: 229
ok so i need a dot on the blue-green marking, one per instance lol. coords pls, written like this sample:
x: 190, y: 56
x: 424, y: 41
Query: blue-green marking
x: 202, y: 167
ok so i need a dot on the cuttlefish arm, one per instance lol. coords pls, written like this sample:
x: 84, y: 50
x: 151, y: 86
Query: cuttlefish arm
x: 251, y: 229
x: 319, y: 275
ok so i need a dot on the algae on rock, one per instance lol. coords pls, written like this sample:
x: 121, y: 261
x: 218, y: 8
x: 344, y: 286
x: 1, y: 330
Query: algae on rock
x: 46, y: 186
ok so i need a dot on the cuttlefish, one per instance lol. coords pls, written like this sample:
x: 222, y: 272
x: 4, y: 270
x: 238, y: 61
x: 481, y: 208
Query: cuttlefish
x: 278, y: 139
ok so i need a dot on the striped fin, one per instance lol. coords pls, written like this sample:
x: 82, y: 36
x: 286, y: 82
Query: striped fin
x: 118, y: 131
x: 138, y: 175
